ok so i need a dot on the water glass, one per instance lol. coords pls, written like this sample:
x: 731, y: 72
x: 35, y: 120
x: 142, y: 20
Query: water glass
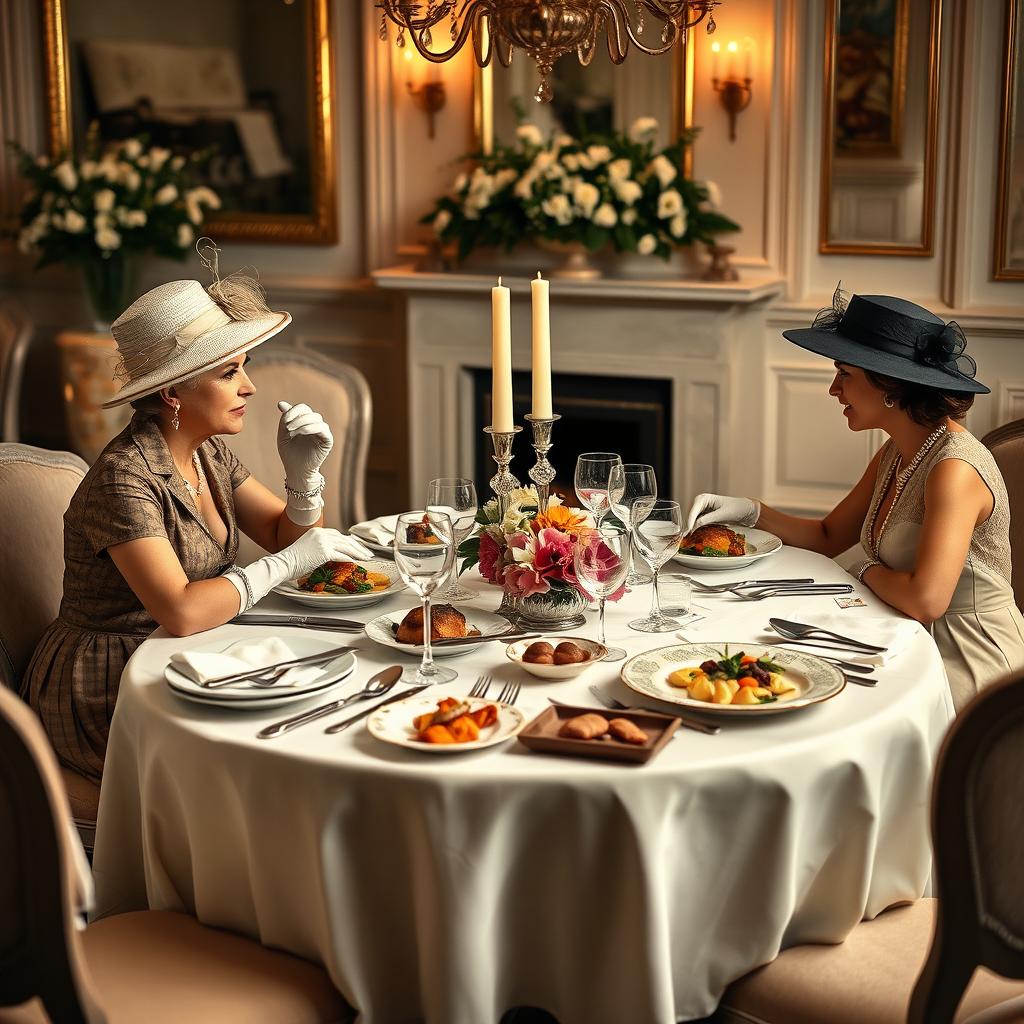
x: 657, y: 539
x: 455, y: 496
x: 591, y: 481
x: 632, y: 490
x: 424, y: 567
x: 601, y: 560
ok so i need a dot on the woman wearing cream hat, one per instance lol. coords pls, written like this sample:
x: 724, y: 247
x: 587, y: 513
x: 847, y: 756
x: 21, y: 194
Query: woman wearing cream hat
x: 151, y: 534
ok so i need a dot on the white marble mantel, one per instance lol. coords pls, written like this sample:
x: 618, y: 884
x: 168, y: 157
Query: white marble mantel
x: 700, y: 336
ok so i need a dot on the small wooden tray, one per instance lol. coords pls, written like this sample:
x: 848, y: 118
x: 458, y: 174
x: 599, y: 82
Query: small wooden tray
x: 542, y: 734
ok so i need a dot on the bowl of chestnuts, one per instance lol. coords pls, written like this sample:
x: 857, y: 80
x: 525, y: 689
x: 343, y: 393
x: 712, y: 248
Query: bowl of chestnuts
x: 562, y: 657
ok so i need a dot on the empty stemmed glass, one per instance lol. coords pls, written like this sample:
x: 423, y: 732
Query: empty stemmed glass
x: 424, y: 565
x: 455, y: 496
x: 632, y: 490
x: 601, y: 560
x: 592, y: 472
x: 657, y: 539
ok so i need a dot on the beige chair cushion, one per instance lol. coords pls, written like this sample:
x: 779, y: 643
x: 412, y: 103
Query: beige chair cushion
x: 159, y: 967
x: 1007, y: 446
x: 33, y: 500
x: 868, y: 979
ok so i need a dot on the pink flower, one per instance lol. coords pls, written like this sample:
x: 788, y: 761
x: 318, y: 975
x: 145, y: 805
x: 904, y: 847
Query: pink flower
x: 490, y: 557
x: 522, y: 580
x: 601, y: 563
x: 553, y: 555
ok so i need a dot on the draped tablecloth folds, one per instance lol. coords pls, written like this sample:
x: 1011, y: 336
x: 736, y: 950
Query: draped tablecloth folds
x: 448, y: 889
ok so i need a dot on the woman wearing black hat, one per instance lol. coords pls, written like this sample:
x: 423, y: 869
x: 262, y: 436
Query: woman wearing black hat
x: 927, y: 525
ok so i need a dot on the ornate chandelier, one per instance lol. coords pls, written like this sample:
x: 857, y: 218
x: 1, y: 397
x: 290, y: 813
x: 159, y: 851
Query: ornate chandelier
x: 544, y: 29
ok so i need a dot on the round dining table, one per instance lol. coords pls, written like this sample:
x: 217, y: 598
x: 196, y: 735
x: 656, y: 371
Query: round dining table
x: 447, y: 889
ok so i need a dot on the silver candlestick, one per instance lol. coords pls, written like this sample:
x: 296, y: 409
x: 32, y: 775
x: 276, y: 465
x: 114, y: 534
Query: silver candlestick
x: 503, y: 483
x: 542, y: 473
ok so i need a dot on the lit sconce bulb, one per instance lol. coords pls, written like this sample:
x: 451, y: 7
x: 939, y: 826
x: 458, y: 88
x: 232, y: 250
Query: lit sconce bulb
x: 733, y: 90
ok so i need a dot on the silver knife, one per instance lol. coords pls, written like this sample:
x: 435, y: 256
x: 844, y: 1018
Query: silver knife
x: 310, y: 621
x: 342, y: 726
x: 691, y: 723
x: 388, y: 676
x: 468, y: 641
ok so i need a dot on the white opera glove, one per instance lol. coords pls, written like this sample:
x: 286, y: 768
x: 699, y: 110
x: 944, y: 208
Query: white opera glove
x: 312, y: 549
x: 721, y: 508
x: 303, y: 441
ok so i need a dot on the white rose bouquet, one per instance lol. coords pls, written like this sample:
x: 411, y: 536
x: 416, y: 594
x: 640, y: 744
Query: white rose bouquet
x: 98, y: 210
x: 609, y: 189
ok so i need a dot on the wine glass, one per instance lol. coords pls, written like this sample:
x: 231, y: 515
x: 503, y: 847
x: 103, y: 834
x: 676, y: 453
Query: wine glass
x: 657, y: 539
x: 601, y: 560
x: 592, y: 472
x: 632, y: 490
x: 424, y: 566
x: 455, y: 496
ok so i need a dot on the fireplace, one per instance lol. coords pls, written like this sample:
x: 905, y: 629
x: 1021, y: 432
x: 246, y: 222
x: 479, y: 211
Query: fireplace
x: 628, y: 415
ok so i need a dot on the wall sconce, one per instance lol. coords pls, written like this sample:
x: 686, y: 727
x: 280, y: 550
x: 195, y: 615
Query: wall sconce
x: 733, y: 91
x: 430, y: 95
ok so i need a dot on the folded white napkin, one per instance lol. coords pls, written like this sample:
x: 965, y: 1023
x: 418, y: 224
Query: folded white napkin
x: 893, y: 634
x: 243, y: 656
x: 380, y: 531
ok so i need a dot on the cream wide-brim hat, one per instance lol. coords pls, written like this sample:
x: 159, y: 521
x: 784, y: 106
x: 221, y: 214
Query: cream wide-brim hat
x: 178, y: 330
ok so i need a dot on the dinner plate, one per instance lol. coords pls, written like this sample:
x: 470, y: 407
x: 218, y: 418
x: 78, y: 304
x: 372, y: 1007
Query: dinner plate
x: 242, y: 696
x: 371, y: 538
x: 815, y: 680
x: 393, y: 724
x: 310, y: 600
x: 760, y: 544
x: 489, y: 624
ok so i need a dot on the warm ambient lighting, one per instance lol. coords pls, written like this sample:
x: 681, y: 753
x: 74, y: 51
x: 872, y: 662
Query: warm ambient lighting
x: 733, y: 91
x: 430, y: 95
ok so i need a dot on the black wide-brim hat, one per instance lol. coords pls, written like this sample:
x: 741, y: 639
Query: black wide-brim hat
x: 893, y: 337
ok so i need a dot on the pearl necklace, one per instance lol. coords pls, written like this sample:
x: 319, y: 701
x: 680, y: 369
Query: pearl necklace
x: 901, y: 481
x: 194, y: 492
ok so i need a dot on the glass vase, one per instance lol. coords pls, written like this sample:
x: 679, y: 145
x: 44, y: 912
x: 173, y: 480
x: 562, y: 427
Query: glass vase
x: 108, y: 283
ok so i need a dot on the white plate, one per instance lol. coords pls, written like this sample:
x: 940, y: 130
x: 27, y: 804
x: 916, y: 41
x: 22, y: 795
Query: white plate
x: 293, y: 593
x: 393, y: 724
x: 489, y: 624
x: 815, y: 680
x: 364, y: 532
x: 760, y: 544
x: 251, y: 696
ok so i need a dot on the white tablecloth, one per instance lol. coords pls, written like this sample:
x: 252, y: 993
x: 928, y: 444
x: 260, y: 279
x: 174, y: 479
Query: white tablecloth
x: 451, y: 888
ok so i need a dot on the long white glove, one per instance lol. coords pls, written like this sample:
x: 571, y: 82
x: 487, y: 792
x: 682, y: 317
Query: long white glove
x: 721, y: 508
x: 303, y: 441
x: 312, y: 549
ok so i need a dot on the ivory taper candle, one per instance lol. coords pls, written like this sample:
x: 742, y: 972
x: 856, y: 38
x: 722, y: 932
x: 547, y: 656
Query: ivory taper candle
x: 501, y: 359
x: 541, y: 349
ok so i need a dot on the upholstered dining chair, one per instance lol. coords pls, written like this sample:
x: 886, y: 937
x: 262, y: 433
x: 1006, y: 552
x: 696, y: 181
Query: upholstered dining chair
x: 340, y: 394
x: 15, y: 335
x: 36, y: 486
x: 1006, y: 443
x: 148, y: 966
x: 970, y: 939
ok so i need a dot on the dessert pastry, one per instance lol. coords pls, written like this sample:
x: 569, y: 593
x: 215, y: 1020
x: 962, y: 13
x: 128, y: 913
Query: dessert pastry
x: 627, y: 731
x: 446, y: 622
x: 584, y: 727
x: 568, y: 653
x: 539, y: 653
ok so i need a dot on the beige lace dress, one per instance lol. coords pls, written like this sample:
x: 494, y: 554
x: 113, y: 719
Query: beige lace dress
x: 981, y: 636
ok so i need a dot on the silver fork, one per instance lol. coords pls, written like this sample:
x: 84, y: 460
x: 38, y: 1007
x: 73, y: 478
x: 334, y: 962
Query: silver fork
x: 729, y: 588
x: 480, y: 687
x: 509, y: 693
x: 765, y: 592
x: 272, y: 675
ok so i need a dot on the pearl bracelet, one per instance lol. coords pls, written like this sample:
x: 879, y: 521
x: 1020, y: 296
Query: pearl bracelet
x: 858, y: 569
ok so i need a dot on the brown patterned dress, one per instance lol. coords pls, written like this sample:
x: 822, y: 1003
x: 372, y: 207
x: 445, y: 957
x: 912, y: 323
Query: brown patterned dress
x: 132, y: 491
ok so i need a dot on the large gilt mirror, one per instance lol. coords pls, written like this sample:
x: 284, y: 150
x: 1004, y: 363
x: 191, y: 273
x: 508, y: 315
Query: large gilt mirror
x: 1009, y: 227
x: 247, y: 82
x: 597, y: 98
x: 880, y: 122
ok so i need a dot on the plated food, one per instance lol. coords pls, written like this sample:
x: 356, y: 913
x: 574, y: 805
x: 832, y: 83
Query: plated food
x: 632, y: 736
x: 344, y: 584
x: 402, y: 630
x: 714, y: 541
x: 556, y: 657
x: 740, y: 679
x: 723, y: 546
x: 425, y: 724
x: 595, y: 726
x: 694, y: 675
x: 421, y: 533
x: 446, y: 623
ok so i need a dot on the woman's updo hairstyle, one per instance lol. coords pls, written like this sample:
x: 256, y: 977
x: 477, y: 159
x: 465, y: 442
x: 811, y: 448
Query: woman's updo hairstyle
x: 925, y: 405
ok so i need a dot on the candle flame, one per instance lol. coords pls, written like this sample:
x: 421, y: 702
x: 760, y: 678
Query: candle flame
x: 538, y: 276
x: 499, y: 280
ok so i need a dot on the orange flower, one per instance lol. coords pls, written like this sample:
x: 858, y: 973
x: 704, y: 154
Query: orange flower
x: 560, y: 517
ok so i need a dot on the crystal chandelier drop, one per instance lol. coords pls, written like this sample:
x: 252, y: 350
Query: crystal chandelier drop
x: 544, y: 29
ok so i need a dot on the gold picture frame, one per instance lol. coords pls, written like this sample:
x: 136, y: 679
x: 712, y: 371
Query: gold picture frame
x: 886, y: 146
x: 1003, y: 268
x: 320, y: 225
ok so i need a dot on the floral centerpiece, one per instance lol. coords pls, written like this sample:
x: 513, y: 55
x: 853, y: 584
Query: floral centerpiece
x: 529, y: 553
x: 611, y: 189
x: 99, y: 210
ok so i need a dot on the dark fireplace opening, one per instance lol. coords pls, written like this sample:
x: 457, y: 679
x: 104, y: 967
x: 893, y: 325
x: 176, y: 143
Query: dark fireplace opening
x: 631, y: 416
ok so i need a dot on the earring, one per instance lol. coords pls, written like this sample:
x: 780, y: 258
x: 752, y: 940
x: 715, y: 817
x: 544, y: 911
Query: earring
x: 889, y: 403
x: 175, y: 420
